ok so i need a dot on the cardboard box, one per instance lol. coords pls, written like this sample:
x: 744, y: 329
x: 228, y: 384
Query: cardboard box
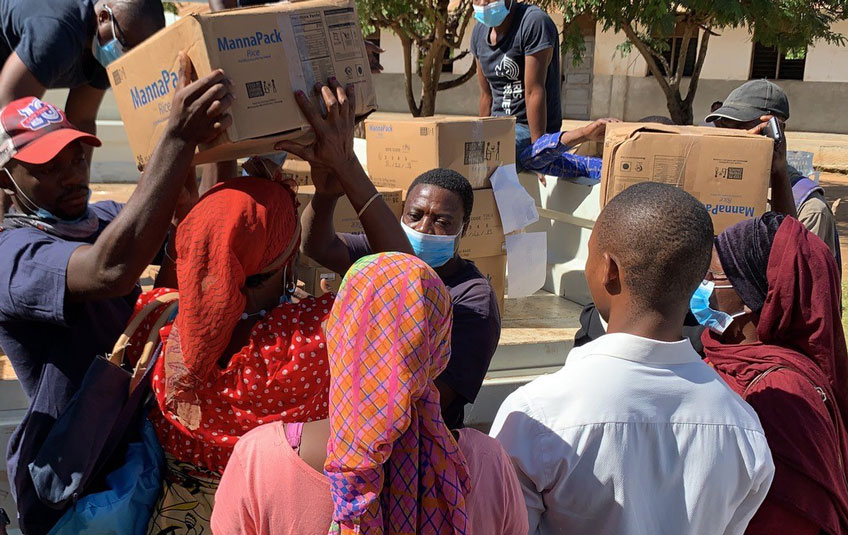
x: 494, y: 269
x: 297, y: 170
x: 727, y: 170
x: 485, y: 235
x: 401, y: 149
x: 318, y: 280
x: 345, y: 218
x: 268, y: 52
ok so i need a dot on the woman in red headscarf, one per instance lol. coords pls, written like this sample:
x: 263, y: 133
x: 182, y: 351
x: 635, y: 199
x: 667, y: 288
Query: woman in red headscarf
x: 239, y: 353
x: 784, y: 352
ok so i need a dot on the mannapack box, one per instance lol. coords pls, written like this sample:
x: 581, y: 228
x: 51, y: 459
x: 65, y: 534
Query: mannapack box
x: 268, y: 52
x: 485, y: 235
x: 727, y: 170
x: 400, y: 149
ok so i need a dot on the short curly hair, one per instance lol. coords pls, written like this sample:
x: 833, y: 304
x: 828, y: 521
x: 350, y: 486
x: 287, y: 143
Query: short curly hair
x: 451, y: 181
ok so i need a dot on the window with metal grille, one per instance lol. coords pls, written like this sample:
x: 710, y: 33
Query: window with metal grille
x: 672, y: 53
x: 778, y: 64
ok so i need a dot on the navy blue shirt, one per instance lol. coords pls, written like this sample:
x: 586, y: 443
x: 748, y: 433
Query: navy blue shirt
x: 531, y: 32
x: 53, y: 39
x: 50, y: 341
x: 476, y: 330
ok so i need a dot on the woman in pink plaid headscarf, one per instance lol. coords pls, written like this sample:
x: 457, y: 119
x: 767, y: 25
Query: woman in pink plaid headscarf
x: 394, y: 466
x: 390, y: 464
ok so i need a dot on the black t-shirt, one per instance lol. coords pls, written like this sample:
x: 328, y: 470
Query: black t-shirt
x: 476, y: 330
x: 53, y: 39
x: 532, y: 31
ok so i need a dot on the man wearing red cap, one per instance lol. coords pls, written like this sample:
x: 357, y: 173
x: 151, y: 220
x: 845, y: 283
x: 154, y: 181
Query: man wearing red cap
x: 70, y: 269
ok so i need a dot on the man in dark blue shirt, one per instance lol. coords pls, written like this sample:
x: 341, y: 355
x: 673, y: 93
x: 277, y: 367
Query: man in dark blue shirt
x: 70, y: 270
x: 516, y: 46
x: 51, y: 44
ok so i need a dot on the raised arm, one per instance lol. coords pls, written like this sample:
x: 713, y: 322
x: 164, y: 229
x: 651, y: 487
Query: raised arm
x: 112, y: 265
x: 337, y: 171
x: 782, y: 200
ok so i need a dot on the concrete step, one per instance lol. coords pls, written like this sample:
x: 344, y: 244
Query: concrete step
x: 536, y: 335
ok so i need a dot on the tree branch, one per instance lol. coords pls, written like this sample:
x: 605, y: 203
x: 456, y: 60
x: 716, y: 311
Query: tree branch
x: 648, y: 54
x: 456, y: 82
x: 456, y: 58
x: 699, y: 64
x: 414, y: 107
x: 682, y: 54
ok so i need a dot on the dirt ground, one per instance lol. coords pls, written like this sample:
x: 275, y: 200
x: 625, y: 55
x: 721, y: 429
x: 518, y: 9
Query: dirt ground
x: 836, y: 187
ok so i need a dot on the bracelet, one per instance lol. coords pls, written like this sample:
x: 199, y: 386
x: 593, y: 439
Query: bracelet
x: 372, y: 199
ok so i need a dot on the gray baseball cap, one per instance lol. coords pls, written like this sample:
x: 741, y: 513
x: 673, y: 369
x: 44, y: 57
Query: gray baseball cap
x: 752, y: 100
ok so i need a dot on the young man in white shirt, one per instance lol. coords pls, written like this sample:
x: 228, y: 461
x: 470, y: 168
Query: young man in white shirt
x: 635, y: 434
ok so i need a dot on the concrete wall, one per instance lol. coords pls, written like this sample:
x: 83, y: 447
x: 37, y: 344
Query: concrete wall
x: 815, y: 106
x: 828, y: 63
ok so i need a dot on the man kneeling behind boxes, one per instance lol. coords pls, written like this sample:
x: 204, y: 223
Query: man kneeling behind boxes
x: 727, y: 170
x: 267, y: 52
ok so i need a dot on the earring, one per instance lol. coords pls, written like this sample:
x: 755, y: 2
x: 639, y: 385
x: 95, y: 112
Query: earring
x: 289, y: 286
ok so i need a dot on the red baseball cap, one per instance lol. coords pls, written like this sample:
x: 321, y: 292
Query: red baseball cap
x: 34, y: 131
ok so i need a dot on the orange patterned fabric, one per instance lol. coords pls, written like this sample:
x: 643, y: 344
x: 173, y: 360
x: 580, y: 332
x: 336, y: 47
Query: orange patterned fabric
x: 282, y: 374
x: 239, y: 228
x: 393, y: 465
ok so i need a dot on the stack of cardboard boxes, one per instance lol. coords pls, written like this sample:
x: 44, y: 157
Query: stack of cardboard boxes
x: 401, y: 149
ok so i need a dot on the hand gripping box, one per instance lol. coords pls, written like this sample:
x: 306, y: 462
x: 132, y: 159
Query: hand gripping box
x: 727, y: 170
x: 268, y: 52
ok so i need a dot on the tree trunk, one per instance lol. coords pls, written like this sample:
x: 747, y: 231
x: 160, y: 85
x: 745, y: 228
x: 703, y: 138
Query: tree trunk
x: 679, y: 109
x: 414, y: 108
x: 431, y: 71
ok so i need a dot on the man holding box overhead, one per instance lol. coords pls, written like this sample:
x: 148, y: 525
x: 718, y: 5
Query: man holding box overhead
x: 71, y: 269
x: 516, y: 46
x: 435, y: 217
x: 53, y: 44
x: 745, y: 108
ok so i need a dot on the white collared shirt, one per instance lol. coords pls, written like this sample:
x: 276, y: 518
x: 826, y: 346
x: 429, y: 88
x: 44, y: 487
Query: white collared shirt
x: 635, y: 436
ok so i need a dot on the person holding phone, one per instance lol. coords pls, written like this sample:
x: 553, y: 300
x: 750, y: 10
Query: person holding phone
x: 751, y: 106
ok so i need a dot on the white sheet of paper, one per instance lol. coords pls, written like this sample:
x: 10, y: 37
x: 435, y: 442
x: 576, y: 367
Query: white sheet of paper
x: 517, y: 207
x: 527, y: 259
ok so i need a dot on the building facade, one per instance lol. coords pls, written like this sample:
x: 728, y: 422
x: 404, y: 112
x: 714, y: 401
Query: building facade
x: 608, y: 84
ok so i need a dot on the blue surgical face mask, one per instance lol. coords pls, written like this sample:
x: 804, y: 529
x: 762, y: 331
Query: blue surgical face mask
x: 715, y: 320
x: 433, y: 249
x: 112, y: 50
x: 493, y: 14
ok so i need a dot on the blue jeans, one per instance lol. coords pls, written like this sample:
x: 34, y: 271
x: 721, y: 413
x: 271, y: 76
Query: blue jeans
x: 522, y: 141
